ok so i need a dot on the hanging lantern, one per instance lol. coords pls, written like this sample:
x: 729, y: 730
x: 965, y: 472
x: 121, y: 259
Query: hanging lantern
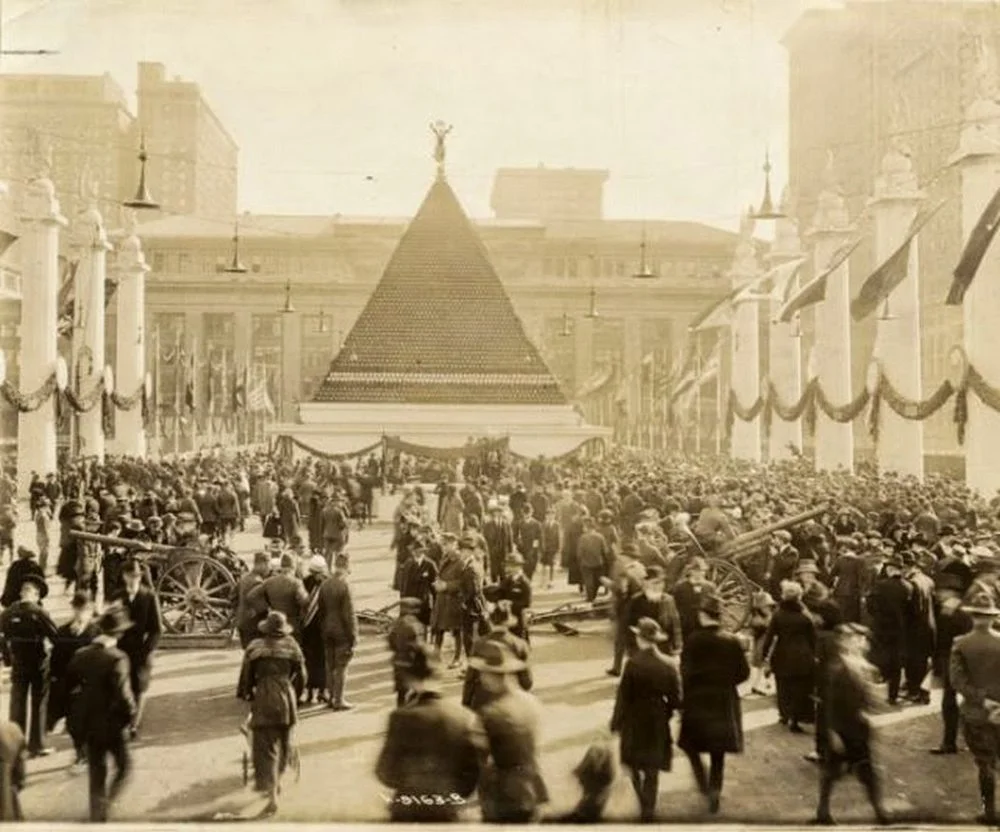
x: 235, y: 266
x: 644, y: 273
x: 767, y: 210
x: 142, y: 200
x: 287, y: 309
x: 592, y: 311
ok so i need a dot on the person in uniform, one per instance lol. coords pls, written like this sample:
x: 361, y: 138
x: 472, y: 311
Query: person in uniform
x: 26, y: 629
x: 273, y: 671
x: 26, y: 564
x: 407, y: 632
x: 502, y: 620
x: 511, y: 788
x: 514, y: 587
x: 847, y: 702
x: 70, y: 638
x: 975, y: 674
x: 140, y: 640
x: 649, y: 693
x: 433, y: 747
x: 103, y: 708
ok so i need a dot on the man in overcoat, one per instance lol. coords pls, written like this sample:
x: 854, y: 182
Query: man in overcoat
x: 713, y: 665
x: 649, y: 693
x: 282, y: 591
x: 433, y: 747
x: 499, y: 540
x: 502, y: 620
x: 406, y: 633
x: 140, y: 640
x: 72, y: 636
x: 339, y: 626
x: 103, y: 708
x: 952, y: 622
x: 247, y: 617
x: 417, y: 577
x: 921, y: 630
x: 888, y: 606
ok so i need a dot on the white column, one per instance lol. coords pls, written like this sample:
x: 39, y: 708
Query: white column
x: 785, y: 344
x: 979, y: 160
x: 130, y: 370
x: 90, y: 288
x: 897, y: 343
x: 41, y: 221
x: 632, y: 359
x: 746, y: 436
x: 831, y: 229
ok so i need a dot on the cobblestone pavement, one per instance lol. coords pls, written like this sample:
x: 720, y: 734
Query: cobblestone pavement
x: 188, y: 759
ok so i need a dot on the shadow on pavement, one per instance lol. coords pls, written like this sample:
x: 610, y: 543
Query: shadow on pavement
x: 217, y: 713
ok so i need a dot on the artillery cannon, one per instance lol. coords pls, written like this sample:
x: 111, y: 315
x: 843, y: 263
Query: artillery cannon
x: 195, y: 586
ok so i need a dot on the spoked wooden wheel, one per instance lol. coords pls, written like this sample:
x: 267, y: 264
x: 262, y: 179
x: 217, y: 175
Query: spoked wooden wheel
x: 195, y: 596
x: 735, y: 590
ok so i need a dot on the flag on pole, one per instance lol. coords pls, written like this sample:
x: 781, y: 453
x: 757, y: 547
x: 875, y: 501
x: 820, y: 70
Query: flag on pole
x: 881, y: 282
x: 815, y: 291
x: 975, y: 250
x: 716, y: 315
x: 189, y: 397
x: 6, y: 241
x: 782, y: 279
x: 67, y: 291
x: 240, y: 389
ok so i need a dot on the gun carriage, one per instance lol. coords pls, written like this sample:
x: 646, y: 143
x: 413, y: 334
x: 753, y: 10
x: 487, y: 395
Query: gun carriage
x: 195, y: 584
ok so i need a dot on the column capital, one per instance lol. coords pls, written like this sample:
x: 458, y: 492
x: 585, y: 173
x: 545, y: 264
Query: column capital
x: 41, y: 205
x: 897, y: 182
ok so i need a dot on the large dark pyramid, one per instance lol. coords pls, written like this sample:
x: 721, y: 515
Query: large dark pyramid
x: 439, y: 328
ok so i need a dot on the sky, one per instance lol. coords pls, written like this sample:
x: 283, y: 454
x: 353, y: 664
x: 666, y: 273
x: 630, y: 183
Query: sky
x: 330, y: 100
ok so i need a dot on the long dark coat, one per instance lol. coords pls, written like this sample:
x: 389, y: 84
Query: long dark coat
x: 272, y: 671
x: 65, y: 647
x: 312, y: 635
x: 12, y: 753
x: 649, y: 693
x: 712, y: 666
x: 791, y: 641
x: 447, y: 612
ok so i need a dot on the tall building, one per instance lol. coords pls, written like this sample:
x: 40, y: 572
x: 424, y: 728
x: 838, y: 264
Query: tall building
x: 865, y: 75
x: 193, y: 159
x: 82, y: 123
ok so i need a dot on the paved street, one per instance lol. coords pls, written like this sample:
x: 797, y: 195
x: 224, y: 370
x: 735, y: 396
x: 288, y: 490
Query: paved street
x: 188, y: 761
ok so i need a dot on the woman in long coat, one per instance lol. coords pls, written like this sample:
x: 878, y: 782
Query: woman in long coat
x: 713, y: 665
x: 451, y: 511
x: 790, y: 648
x: 273, y: 667
x: 647, y: 697
x: 312, y: 634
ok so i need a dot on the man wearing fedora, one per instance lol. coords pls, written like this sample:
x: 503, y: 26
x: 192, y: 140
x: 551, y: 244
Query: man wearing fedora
x: 499, y: 540
x: 975, y: 675
x: 921, y: 628
x: 339, y: 626
x: 713, y: 666
x: 511, y: 788
x: 433, y: 750
x: 417, y: 577
x: 72, y: 636
x: 952, y: 622
x: 273, y: 672
x: 649, y: 693
x: 284, y: 591
x: 846, y: 575
x: 502, y: 621
x: 888, y: 606
x: 103, y: 708
x: 594, y: 557
x: 140, y: 640
x: 26, y: 629
x: 653, y: 601
x: 847, y: 702
x: 406, y: 633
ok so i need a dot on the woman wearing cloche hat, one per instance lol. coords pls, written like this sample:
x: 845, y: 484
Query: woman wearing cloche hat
x: 273, y: 669
x: 312, y: 634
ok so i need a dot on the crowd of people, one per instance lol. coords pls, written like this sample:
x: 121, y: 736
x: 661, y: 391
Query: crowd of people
x: 892, y: 581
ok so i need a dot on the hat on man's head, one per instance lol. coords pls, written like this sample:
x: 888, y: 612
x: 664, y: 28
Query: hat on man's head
x: 468, y: 541
x: 135, y: 526
x: 276, y: 624
x: 629, y: 549
x: 949, y: 581
x: 287, y: 561
x: 806, y: 566
x: 980, y: 602
x: 154, y: 520
x: 342, y: 561
x: 317, y: 565
x: 37, y: 581
x: 496, y: 657
x: 852, y: 628
x: 24, y: 553
x: 132, y: 568
x: 114, y: 620
x: 260, y: 558
x: 502, y: 615
x: 648, y: 629
x: 422, y: 663
x: 711, y: 606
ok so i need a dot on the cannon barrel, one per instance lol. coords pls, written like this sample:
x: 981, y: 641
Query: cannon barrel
x: 123, y: 543
x: 745, y: 541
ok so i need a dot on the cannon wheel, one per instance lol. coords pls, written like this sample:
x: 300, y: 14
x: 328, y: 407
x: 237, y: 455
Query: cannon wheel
x: 194, y: 593
x: 735, y: 590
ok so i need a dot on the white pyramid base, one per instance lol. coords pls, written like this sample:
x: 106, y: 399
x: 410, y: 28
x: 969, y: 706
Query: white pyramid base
x: 547, y: 430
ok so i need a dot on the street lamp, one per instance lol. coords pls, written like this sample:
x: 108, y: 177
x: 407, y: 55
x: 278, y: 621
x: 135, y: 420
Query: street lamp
x: 644, y: 273
x: 767, y: 210
x: 142, y: 200
x: 236, y: 267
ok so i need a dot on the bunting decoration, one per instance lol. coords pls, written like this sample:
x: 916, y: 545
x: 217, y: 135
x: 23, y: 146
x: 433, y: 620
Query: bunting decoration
x: 884, y: 280
x: 815, y: 291
x: 975, y: 250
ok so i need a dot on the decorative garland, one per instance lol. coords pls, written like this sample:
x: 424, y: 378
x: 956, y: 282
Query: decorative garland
x: 87, y: 402
x: 873, y: 413
x: 842, y: 414
x: 128, y: 403
x: 289, y: 441
x: 32, y: 401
